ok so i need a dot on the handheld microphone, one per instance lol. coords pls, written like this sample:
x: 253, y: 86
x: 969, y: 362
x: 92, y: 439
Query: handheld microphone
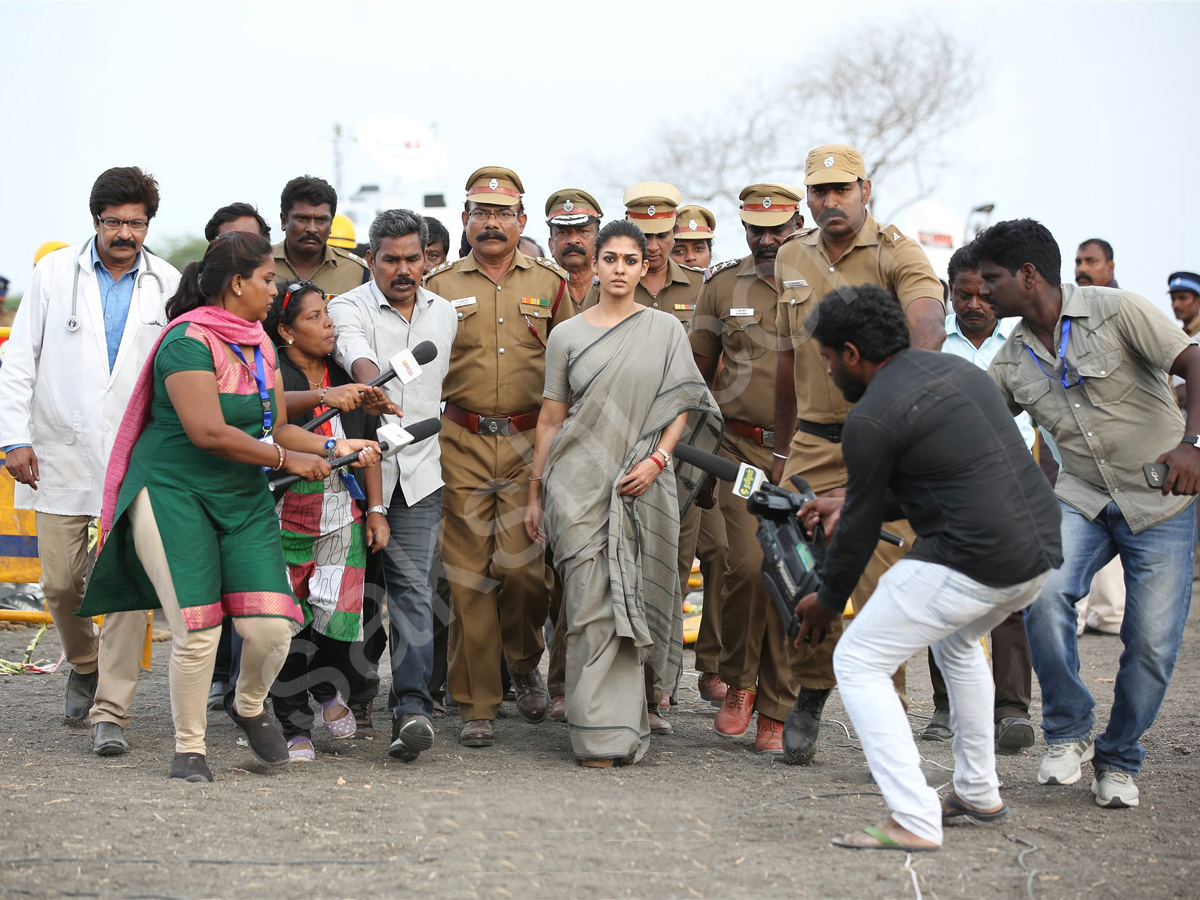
x: 391, y: 439
x: 401, y: 364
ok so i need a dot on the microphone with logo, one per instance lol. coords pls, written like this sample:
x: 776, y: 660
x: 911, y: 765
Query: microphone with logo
x: 405, y: 365
x: 391, y: 439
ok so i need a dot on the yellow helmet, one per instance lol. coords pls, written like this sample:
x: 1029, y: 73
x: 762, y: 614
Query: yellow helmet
x: 341, y: 233
x: 48, y: 247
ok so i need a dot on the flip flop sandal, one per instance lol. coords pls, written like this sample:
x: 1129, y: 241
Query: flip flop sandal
x: 954, y: 810
x: 885, y: 842
x: 338, y: 729
x: 300, y: 750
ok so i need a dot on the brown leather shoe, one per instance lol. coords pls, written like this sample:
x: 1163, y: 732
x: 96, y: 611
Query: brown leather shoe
x: 712, y: 688
x: 733, y: 718
x: 477, y: 733
x: 558, y: 708
x: 532, y: 697
x: 658, y: 725
x: 770, y: 735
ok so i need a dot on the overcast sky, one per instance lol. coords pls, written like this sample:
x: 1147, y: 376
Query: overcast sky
x: 1088, y: 122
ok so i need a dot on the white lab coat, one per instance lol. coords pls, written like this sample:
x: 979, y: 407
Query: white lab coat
x: 56, y: 391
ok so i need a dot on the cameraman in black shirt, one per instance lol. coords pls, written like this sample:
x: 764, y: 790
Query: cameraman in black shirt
x: 932, y: 441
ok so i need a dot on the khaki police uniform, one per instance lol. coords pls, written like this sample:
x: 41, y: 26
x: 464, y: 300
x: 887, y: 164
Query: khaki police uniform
x: 735, y: 319
x: 494, y: 386
x: 881, y: 256
x: 573, y: 206
x: 340, y: 270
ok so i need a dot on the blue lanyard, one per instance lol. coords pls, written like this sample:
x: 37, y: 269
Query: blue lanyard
x: 1062, y: 354
x: 260, y: 378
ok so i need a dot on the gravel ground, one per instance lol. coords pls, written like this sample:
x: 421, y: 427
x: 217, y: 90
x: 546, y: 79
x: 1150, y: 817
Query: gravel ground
x: 700, y: 817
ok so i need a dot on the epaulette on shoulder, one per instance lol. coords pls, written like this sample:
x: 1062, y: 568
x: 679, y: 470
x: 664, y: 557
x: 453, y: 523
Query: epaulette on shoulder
x: 799, y: 233
x: 720, y: 267
x: 891, y: 234
x: 552, y: 266
x: 350, y: 254
x: 442, y: 268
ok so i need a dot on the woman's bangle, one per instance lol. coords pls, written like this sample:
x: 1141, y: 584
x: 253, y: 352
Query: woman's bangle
x: 779, y: 456
x: 533, y: 478
x: 321, y: 398
x: 654, y: 459
x: 282, y: 457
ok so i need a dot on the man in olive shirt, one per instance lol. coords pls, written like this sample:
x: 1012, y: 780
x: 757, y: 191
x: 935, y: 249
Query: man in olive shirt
x: 735, y: 318
x: 306, y: 210
x: 506, y: 305
x: 694, y: 230
x: 849, y: 248
x: 1089, y: 365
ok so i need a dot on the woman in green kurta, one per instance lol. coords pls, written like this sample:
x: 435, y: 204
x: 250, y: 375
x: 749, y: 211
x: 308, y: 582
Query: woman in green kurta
x: 189, y: 523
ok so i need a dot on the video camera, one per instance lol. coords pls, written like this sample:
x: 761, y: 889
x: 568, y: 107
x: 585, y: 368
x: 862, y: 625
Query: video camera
x: 791, y: 559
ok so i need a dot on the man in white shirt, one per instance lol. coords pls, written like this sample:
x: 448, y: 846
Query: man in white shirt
x: 372, y: 323
x: 92, y: 313
x: 974, y: 333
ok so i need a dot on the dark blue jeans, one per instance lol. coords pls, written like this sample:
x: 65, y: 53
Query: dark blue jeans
x: 1158, y: 583
x: 407, y: 561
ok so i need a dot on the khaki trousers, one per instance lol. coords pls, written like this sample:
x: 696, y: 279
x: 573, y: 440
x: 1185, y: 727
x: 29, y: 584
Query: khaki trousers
x: 265, y: 643
x: 116, y: 649
x: 821, y: 464
x: 754, y: 649
x: 496, y: 574
x: 712, y: 548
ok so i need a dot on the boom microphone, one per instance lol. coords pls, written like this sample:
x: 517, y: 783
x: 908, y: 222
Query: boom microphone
x: 717, y: 466
x: 424, y: 352
x: 391, y: 439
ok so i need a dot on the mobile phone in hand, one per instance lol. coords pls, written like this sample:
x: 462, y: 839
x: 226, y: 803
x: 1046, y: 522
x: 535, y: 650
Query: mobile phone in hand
x: 1156, y: 474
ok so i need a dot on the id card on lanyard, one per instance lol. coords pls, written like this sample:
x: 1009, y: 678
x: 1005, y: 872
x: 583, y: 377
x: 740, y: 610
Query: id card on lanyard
x: 260, y: 379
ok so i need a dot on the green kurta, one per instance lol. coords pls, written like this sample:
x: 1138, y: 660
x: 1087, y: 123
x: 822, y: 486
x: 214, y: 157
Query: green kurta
x: 216, y: 517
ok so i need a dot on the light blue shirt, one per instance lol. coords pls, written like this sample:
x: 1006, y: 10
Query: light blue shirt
x: 958, y: 344
x: 115, y: 297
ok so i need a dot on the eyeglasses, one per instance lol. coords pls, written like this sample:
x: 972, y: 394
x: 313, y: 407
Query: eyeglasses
x: 319, y: 221
x: 115, y: 224
x: 297, y: 287
x: 504, y: 216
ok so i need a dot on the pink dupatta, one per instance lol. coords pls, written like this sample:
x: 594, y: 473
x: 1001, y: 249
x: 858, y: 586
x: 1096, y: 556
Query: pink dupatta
x: 229, y: 328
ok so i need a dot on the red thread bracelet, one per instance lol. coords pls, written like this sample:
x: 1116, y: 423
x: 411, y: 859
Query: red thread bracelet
x: 654, y: 459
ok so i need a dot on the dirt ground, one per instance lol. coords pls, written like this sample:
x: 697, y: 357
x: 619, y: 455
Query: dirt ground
x: 700, y: 817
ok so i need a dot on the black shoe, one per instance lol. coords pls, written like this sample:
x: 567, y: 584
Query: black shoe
x: 532, y: 697
x: 81, y: 694
x: 362, y: 716
x: 1014, y: 733
x: 216, y: 695
x: 410, y: 735
x: 108, y: 739
x: 938, y: 728
x: 190, y: 767
x: 264, y: 736
x: 802, y: 727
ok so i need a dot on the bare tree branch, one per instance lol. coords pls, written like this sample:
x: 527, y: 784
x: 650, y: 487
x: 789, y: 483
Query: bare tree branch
x: 892, y: 93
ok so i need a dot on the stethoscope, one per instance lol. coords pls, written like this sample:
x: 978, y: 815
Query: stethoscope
x: 73, y: 318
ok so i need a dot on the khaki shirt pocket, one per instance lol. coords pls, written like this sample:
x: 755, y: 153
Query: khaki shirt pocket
x: 745, y: 337
x: 795, y: 304
x: 536, y: 329
x: 469, y: 335
x: 1036, y: 398
x: 1105, y: 378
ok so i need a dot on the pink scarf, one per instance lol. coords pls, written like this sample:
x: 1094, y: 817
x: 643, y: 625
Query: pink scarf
x: 229, y: 328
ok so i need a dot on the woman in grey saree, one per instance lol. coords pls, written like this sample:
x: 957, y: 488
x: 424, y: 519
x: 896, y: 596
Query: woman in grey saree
x: 621, y: 390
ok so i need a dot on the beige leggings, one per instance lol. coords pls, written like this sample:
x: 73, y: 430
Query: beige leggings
x: 193, y: 653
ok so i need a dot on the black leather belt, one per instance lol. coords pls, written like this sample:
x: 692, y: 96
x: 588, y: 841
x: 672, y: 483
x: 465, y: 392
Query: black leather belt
x: 831, y: 433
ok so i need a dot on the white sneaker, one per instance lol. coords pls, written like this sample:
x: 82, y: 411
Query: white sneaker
x: 1061, y: 762
x: 1114, y: 790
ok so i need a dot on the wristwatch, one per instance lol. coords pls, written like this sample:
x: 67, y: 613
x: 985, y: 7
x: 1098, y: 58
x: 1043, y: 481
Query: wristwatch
x: 331, y: 449
x: 382, y: 510
x: 665, y: 455
x: 1193, y: 439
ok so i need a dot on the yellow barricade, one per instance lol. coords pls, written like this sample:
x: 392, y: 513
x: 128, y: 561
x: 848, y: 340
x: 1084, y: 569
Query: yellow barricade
x: 18, y: 536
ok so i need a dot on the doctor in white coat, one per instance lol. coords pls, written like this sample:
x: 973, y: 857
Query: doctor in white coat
x: 81, y: 335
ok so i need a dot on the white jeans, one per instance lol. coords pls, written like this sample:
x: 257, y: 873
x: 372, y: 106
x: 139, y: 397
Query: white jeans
x: 918, y: 605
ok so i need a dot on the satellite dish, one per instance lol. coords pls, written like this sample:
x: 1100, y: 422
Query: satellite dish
x: 401, y: 146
